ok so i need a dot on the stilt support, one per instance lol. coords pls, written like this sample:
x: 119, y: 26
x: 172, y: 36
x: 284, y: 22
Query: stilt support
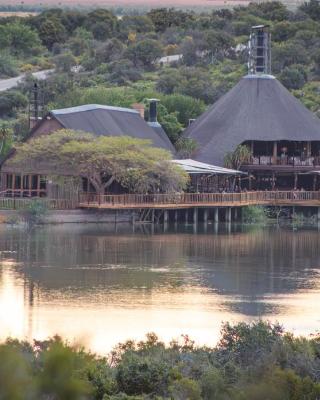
x: 216, y: 215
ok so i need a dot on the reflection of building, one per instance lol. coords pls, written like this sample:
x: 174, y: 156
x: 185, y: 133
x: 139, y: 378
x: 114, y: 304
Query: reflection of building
x: 283, y: 136
x: 238, y: 268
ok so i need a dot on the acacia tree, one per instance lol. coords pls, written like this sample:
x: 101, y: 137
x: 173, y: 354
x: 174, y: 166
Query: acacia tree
x: 134, y: 163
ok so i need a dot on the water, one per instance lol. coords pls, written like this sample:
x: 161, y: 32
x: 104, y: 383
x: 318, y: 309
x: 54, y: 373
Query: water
x: 94, y: 285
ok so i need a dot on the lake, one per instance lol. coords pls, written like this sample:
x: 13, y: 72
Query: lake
x: 98, y: 284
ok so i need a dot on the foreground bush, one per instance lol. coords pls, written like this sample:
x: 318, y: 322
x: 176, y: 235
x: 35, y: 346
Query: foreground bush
x: 251, y: 362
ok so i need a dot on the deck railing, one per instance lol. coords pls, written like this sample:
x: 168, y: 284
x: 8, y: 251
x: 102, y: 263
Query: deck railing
x: 14, y: 203
x: 295, y: 161
x: 193, y: 199
x: 170, y: 200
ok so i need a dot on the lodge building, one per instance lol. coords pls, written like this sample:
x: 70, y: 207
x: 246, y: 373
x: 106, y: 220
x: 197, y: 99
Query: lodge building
x: 282, y: 134
x: 92, y: 118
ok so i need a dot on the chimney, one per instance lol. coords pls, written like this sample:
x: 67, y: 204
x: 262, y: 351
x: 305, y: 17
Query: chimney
x: 139, y: 107
x: 35, y: 106
x: 153, y: 110
x: 260, y: 50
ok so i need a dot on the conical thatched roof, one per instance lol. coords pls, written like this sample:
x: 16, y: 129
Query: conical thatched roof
x: 257, y: 108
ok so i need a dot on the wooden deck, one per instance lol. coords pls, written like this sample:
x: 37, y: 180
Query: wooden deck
x: 201, y: 200
x: 169, y: 201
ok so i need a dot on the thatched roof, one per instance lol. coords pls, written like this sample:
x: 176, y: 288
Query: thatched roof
x: 110, y: 121
x: 257, y: 108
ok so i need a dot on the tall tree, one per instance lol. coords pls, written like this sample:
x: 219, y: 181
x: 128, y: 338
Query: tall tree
x: 133, y: 163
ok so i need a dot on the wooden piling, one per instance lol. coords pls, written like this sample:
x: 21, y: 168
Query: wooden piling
x: 195, y: 215
x: 216, y: 215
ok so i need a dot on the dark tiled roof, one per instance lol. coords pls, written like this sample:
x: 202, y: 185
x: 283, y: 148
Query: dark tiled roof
x: 110, y: 121
x: 257, y: 108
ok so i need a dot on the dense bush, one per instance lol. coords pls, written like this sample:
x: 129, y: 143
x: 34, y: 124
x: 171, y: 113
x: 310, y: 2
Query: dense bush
x: 210, y: 48
x: 256, y: 361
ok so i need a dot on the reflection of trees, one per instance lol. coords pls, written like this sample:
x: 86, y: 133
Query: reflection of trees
x: 92, y: 258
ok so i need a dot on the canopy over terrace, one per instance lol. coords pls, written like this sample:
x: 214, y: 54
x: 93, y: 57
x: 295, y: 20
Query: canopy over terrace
x: 207, y: 177
x: 197, y: 167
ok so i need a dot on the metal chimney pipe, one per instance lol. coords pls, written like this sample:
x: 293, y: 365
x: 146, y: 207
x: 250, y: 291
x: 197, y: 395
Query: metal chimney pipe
x: 260, y: 50
x: 36, y: 102
x: 153, y: 110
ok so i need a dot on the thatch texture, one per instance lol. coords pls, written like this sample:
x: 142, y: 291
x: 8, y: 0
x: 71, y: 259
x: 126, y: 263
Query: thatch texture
x: 257, y: 108
x: 110, y: 121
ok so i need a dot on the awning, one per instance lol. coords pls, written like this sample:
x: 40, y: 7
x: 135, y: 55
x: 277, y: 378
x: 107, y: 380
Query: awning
x: 197, y: 167
x: 313, y: 172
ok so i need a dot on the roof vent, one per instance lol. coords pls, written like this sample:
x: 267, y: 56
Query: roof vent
x: 260, y: 50
x: 153, y: 110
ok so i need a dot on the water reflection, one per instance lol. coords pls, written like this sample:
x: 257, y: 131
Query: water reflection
x: 100, y: 286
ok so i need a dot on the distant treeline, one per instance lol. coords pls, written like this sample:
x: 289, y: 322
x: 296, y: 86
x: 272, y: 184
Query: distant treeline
x: 250, y: 362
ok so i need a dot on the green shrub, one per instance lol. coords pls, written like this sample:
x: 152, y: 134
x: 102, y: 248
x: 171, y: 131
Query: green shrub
x: 184, y: 389
x: 35, y: 212
x: 138, y: 375
x: 8, y: 66
x: 254, y: 215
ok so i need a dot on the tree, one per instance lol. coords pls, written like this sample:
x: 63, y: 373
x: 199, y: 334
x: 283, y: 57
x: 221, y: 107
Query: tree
x: 293, y: 77
x: 186, y: 107
x: 311, y: 8
x: 186, y: 147
x: 170, y: 123
x: 6, y: 133
x: 101, y: 23
x: 64, y: 62
x: 10, y: 101
x: 51, y: 31
x: 218, y: 43
x: 133, y: 163
x: 23, y: 39
x: 287, y: 53
x: 135, y: 23
x: 8, y: 67
x: 111, y: 50
x: 144, y: 53
x: 168, y: 80
x: 164, y: 18
x: 238, y: 157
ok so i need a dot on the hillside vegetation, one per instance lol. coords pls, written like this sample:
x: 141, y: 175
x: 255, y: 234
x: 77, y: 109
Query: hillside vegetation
x: 99, y: 58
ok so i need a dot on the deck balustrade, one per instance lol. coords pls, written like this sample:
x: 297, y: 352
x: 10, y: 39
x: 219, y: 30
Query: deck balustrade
x: 174, y: 200
x: 197, y: 199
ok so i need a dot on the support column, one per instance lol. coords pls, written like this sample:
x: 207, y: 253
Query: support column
x: 236, y: 213
x: 21, y: 185
x: 205, y: 216
x: 314, y: 182
x: 250, y: 182
x: 38, y: 185
x: 29, y: 184
x: 318, y: 213
x: 13, y: 184
x: 195, y: 216
x: 153, y: 216
x: 296, y: 180
x: 165, y: 216
x: 186, y: 217
x: 228, y: 214
x: 308, y: 149
x: 216, y: 215
x: 175, y: 216
x: 273, y: 180
x: 275, y: 152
